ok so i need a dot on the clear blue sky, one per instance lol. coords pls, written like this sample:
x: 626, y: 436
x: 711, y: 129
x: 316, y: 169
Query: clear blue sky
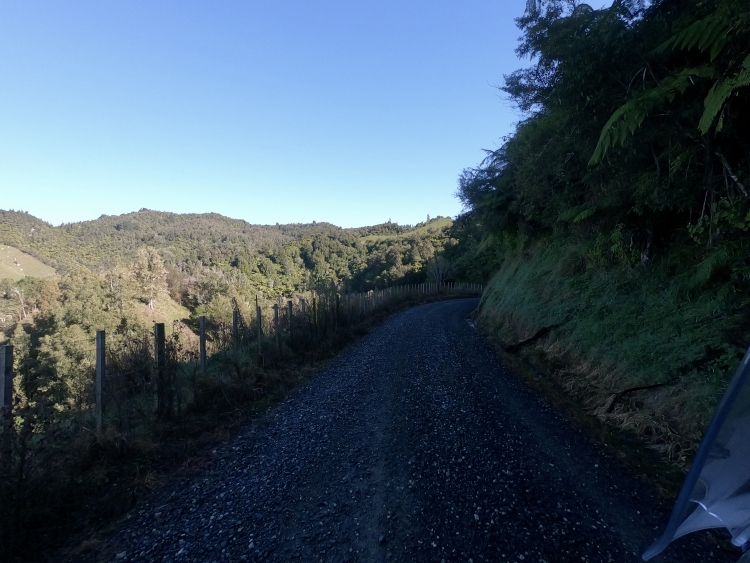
x: 352, y: 112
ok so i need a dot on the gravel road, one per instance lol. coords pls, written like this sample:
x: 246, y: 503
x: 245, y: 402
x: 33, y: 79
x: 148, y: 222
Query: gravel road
x: 415, y: 444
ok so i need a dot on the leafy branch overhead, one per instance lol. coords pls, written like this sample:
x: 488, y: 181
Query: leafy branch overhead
x: 718, y: 41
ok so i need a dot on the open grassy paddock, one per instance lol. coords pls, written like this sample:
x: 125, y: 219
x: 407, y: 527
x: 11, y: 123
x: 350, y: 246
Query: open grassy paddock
x: 15, y: 264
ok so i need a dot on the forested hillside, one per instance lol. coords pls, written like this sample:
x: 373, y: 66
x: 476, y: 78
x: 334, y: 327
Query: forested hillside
x: 192, y: 241
x: 618, y: 211
x: 124, y: 273
x: 203, y: 253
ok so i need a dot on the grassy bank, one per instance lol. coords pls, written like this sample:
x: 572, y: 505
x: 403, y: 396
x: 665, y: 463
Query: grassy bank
x: 612, y: 330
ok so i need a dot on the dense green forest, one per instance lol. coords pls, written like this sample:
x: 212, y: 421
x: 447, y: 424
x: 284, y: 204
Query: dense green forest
x: 121, y: 274
x: 280, y: 258
x: 619, y: 207
x: 199, y: 257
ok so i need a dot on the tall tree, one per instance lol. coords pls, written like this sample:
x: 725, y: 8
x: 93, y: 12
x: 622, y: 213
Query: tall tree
x: 150, y: 275
x: 437, y: 269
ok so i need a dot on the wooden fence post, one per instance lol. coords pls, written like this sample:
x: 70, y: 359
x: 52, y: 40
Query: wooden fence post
x: 6, y: 373
x: 101, y: 367
x: 338, y: 309
x: 160, y: 350
x: 276, y: 325
x: 236, y: 330
x: 202, y: 337
x: 315, y: 315
x: 289, y: 317
x: 259, y: 322
x: 6, y: 408
x: 302, y: 303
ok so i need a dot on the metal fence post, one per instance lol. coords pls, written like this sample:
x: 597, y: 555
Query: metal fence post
x: 6, y: 373
x: 101, y: 367
x: 259, y: 322
x: 289, y: 316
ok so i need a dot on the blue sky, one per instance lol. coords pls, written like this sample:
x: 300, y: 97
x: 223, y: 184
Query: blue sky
x: 352, y: 112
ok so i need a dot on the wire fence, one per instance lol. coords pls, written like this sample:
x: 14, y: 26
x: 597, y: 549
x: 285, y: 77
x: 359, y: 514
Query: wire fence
x: 128, y: 382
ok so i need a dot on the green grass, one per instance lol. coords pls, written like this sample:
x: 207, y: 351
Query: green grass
x: 15, y: 264
x: 621, y: 328
x: 433, y: 226
x: 165, y: 311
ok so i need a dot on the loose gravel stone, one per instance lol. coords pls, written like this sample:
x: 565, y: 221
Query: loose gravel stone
x: 416, y: 444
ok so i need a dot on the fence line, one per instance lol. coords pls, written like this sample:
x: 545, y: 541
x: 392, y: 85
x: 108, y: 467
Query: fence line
x: 294, y: 330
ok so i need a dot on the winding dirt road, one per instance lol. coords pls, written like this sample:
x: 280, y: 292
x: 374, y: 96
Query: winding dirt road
x: 416, y: 444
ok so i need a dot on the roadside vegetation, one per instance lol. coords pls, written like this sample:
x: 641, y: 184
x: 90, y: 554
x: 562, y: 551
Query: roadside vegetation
x: 613, y: 224
x: 64, y: 474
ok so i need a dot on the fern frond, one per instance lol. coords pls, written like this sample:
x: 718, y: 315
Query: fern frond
x: 488, y: 241
x: 720, y: 92
x: 708, y: 267
x: 585, y: 214
x: 569, y: 213
x: 628, y: 117
x: 709, y: 34
x: 576, y: 214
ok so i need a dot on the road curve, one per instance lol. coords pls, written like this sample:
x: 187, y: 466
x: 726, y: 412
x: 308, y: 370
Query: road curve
x: 415, y: 444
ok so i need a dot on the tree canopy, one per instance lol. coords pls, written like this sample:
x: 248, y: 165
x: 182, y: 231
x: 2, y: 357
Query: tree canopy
x: 634, y: 129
